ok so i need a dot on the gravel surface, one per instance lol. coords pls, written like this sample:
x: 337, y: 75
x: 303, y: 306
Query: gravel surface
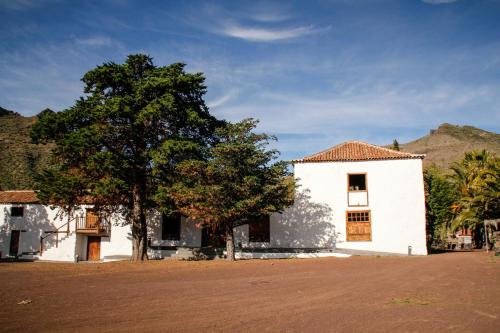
x: 455, y: 292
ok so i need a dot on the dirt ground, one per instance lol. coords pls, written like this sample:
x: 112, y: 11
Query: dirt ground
x: 455, y: 292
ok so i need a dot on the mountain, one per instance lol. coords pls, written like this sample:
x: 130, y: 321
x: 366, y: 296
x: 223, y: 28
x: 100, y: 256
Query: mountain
x: 19, y: 158
x: 448, y: 143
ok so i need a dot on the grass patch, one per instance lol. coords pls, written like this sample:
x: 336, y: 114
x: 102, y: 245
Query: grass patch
x: 410, y: 301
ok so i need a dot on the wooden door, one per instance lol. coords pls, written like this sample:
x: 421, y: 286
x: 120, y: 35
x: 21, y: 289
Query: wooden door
x: 14, y: 243
x: 93, y: 248
x: 91, y: 219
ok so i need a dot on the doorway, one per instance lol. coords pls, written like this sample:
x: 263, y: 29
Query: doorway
x: 93, y: 248
x: 212, y: 238
x: 14, y: 243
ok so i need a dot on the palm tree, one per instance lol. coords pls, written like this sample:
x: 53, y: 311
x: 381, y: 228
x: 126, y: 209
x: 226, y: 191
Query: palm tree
x: 477, y: 178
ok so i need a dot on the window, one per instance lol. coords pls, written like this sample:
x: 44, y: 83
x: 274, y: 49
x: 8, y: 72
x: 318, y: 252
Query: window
x: 17, y: 211
x: 359, y: 226
x: 358, y: 216
x: 171, y: 227
x: 258, y: 229
x: 357, y: 182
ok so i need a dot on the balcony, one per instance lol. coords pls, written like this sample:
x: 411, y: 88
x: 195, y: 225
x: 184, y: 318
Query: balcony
x: 92, y: 224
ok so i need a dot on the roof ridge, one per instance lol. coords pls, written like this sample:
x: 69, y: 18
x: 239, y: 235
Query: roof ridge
x: 356, y: 150
x: 325, y: 150
x: 404, y: 153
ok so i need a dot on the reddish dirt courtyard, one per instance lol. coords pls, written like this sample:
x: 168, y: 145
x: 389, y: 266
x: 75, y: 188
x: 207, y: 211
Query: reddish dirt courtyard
x: 455, y: 292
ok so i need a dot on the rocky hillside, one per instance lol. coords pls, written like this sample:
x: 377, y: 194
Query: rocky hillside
x: 19, y: 158
x: 448, y: 143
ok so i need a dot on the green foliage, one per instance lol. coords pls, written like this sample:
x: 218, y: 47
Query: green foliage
x: 395, y: 145
x: 110, y: 142
x: 477, y: 178
x: 440, y: 195
x: 240, y: 180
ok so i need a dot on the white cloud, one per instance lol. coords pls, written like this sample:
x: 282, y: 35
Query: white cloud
x: 263, y: 17
x: 95, y: 41
x: 438, y: 2
x: 265, y: 35
x: 222, y: 100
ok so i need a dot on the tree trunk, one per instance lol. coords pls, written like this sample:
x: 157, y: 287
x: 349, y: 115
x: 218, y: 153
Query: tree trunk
x: 230, y: 243
x: 139, y: 227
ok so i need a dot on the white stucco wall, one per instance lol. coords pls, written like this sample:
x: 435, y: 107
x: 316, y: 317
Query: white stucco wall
x: 118, y: 246
x: 35, y: 220
x: 190, y: 233
x: 318, y: 217
x: 38, y: 218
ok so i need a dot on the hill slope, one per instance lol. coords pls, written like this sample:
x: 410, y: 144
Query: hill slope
x: 19, y: 158
x: 448, y: 143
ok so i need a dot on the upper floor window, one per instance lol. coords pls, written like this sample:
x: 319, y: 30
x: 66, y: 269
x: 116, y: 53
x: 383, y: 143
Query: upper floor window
x: 171, y: 227
x: 357, y: 182
x: 17, y: 211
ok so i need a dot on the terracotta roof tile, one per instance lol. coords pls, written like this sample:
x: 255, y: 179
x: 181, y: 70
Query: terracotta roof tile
x: 357, y: 151
x: 18, y: 197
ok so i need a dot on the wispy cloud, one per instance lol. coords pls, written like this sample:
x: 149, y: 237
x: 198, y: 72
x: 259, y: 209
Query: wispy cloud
x: 24, y: 4
x: 258, y: 34
x: 269, y: 17
x: 95, y: 41
x: 438, y: 2
x: 222, y: 100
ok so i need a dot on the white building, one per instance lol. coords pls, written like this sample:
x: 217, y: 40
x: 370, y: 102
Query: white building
x: 360, y: 197
x: 29, y: 230
x: 354, y: 198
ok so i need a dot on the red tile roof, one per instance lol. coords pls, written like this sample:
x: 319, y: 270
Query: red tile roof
x: 357, y: 151
x: 18, y: 197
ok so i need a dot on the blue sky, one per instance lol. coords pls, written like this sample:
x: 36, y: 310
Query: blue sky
x: 315, y: 73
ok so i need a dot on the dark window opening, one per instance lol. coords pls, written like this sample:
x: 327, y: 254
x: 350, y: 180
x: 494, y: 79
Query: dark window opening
x: 357, y: 182
x: 259, y: 229
x: 17, y: 211
x: 171, y: 227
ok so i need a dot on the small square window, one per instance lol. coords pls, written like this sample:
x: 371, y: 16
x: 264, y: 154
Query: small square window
x: 357, y: 182
x: 17, y: 211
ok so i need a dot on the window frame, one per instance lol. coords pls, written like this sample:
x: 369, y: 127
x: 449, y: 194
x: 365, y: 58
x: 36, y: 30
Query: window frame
x: 369, y: 221
x: 357, y: 174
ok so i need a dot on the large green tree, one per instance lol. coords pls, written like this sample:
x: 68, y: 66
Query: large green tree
x: 108, y: 143
x: 239, y: 182
x: 440, y: 197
